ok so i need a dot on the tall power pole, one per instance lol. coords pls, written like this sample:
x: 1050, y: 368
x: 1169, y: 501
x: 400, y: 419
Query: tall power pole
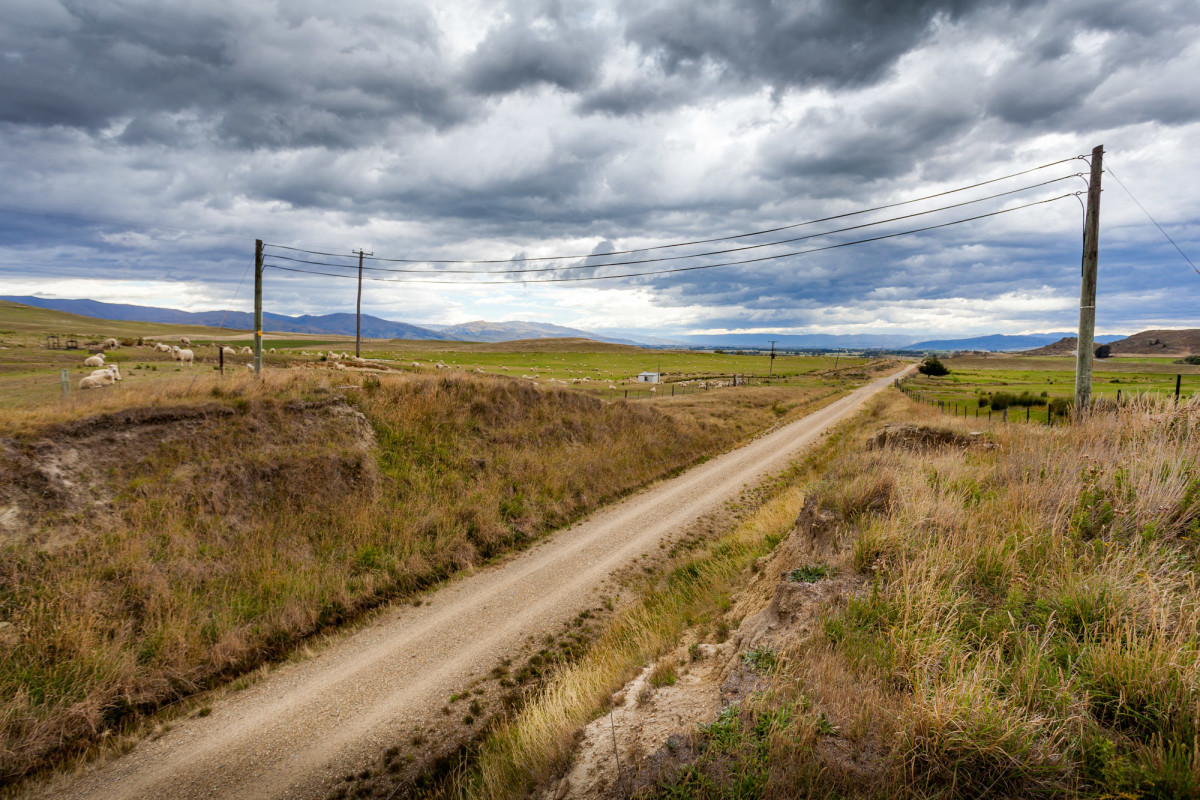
x: 1087, y: 291
x: 258, y: 275
x: 771, y: 367
x: 358, y: 308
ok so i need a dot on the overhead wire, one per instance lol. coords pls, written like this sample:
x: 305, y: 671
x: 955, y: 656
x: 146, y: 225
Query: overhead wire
x: 673, y: 258
x: 1109, y: 170
x: 692, y: 242
x: 682, y: 269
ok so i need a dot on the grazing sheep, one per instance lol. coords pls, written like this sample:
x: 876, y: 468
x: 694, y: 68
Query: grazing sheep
x: 162, y: 347
x: 186, y: 342
x: 246, y: 351
x: 416, y: 363
x: 331, y: 356
x: 105, y: 378
x: 108, y: 344
x: 344, y: 354
x: 229, y: 351
x: 94, y: 361
x: 338, y: 365
x: 504, y: 369
x: 182, y: 356
x: 272, y: 350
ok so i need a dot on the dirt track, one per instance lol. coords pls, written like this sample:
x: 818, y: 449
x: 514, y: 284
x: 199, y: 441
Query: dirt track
x: 308, y: 723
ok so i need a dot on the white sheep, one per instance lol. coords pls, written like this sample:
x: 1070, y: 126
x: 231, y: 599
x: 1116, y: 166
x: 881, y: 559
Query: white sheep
x: 504, y: 369
x: 416, y: 363
x: 344, y: 354
x: 331, y: 356
x: 272, y: 350
x: 246, y: 351
x: 162, y: 347
x: 338, y: 365
x: 250, y: 367
x: 110, y: 343
x: 94, y: 361
x: 104, y: 378
x: 182, y: 356
x: 183, y: 340
x: 111, y: 369
x: 229, y: 351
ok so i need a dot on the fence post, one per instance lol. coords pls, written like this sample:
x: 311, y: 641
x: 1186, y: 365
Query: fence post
x: 1004, y: 415
x: 1178, y: 381
x: 1027, y: 413
x: 66, y: 383
x: 626, y: 394
x: 221, y: 358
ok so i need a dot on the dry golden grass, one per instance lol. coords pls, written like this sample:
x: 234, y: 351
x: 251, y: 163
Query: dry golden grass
x: 1031, y: 624
x: 220, y: 546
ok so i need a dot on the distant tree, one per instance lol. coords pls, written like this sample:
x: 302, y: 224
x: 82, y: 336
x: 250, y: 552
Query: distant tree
x: 1191, y: 359
x: 933, y: 367
x: 1104, y: 351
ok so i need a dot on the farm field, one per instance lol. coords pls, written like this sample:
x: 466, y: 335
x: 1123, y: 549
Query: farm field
x: 972, y: 379
x: 182, y: 527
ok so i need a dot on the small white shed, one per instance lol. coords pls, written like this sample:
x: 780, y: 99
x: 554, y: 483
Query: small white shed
x: 648, y: 377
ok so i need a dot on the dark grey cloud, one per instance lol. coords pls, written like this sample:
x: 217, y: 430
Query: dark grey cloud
x: 547, y: 50
x: 831, y: 43
x: 250, y: 75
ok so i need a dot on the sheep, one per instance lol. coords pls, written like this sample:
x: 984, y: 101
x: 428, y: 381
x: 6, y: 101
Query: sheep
x: 162, y: 347
x: 182, y: 356
x: 416, y: 364
x: 250, y: 367
x: 331, y: 356
x: 338, y: 365
x: 272, y: 350
x: 94, y: 361
x: 229, y: 351
x: 108, y: 344
x: 111, y: 369
x: 246, y: 351
x: 344, y: 354
x: 186, y: 342
x: 504, y: 369
x: 104, y: 378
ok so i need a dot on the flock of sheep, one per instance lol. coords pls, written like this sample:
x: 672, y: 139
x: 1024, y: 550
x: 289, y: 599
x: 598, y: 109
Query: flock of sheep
x: 108, y: 374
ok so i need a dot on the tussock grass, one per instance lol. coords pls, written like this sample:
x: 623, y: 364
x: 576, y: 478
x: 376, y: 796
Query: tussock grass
x: 1032, y: 620
x: 216, y: 551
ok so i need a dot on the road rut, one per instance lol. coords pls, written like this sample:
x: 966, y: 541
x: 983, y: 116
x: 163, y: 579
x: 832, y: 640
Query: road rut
x: 293, y: 734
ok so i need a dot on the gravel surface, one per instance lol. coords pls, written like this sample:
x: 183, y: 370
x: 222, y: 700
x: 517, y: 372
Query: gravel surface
x: 308, y: 723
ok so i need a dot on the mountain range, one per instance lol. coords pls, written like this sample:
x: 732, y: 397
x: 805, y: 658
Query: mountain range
x: 342, y: 324
x: 482, y: 331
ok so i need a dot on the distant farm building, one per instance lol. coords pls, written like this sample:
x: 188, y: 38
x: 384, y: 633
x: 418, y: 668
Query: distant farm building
x: 648, y: 377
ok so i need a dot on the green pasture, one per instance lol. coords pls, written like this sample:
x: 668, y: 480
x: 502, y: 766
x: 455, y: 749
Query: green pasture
x: 973, y: 379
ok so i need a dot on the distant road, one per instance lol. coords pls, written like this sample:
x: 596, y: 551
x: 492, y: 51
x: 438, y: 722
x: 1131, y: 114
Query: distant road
x: 306, y: 724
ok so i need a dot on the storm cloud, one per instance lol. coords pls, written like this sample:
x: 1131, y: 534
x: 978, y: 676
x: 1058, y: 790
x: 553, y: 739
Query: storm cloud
x: 147, y: 144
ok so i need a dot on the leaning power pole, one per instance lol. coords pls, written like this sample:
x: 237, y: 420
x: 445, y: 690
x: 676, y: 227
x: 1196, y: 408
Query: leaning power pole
x: 1087, y: 291
x: 358, y: 308
x: 258, y: 275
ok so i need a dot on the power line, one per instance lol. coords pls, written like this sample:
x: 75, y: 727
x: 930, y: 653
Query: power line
x: 1152, y: 219
x: 696, y: 241
x: 673, y: 258
x: 684, y: 269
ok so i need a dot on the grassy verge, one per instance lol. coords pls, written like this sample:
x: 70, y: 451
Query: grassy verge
x: 1030, y: 629
x: 693, y: 591
x: 197, y: 548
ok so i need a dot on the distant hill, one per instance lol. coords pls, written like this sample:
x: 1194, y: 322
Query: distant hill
x: 372, y: 327
x: 999, y: 342
x: 817, y: 341
x: 481, y: 331
x: 1146, y: 343
x: 1159, y: 343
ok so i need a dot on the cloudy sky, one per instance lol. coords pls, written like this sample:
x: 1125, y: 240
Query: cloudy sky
x: 145, y: 145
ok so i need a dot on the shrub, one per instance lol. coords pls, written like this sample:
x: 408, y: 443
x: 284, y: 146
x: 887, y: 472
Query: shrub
x: 1103, y: 351
x: 984, y: 402
x: 1193, y: 359
x: 933, y: 367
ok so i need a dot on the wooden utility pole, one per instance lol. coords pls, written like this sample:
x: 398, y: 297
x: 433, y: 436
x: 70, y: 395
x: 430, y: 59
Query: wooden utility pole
x: 258, y: 324
x: 358, y: 308
x: 1087, y: 292
x: 771, y: 367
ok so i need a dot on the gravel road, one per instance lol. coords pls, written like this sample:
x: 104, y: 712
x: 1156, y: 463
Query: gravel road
x: 297, y: 731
